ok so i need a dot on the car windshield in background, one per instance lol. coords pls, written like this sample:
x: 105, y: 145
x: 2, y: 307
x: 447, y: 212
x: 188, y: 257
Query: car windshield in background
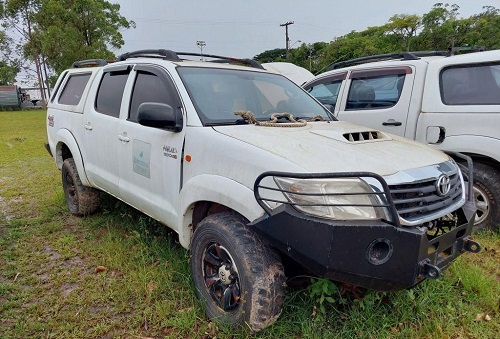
x: 218, y: 93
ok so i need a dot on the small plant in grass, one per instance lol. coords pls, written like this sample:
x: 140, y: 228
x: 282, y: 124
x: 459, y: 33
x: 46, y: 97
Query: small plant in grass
x: 372, y: 299
x: 322, y: 291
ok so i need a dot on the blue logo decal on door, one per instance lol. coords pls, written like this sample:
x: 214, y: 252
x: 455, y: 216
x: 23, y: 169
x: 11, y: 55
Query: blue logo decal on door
x: 141, y: 154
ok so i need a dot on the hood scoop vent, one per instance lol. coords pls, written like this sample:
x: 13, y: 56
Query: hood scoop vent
x: 363, y: 136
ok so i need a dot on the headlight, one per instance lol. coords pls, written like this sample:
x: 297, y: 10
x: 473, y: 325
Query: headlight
x: 343, y: 198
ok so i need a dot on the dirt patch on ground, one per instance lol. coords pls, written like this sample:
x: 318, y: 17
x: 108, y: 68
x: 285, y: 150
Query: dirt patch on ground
x: 4, y: 209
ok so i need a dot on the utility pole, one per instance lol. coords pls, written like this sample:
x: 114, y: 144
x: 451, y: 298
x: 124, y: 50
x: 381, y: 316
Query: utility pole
x: 286, y: 24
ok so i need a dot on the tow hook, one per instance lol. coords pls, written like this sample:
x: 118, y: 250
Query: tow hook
x: 430, y: 271
x: 470, y: 245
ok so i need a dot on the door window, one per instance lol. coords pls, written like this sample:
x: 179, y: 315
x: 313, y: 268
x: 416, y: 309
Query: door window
x: 327, y: 93
x: 375, y: 92
x: 110, y: 93
x: 150, y: 87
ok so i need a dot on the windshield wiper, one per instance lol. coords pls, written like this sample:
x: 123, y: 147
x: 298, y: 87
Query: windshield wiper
x: 227, y: 123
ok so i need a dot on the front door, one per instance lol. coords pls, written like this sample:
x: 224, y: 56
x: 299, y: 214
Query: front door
x: 378, y: 99
x: 150, y: 158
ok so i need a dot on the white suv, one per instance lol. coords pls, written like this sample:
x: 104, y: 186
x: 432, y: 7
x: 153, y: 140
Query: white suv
x: 451, y: 102
x: 191, y: 144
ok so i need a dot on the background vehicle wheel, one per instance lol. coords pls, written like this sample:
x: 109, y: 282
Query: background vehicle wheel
x: 81, y: 200
x: 238, y: 278
x: 487, y: 197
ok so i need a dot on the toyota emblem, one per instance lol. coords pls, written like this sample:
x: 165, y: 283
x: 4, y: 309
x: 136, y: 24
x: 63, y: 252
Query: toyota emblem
x: 443, y: 185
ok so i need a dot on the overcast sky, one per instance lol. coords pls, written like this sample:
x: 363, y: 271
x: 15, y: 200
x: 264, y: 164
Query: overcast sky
x: 246, y: 28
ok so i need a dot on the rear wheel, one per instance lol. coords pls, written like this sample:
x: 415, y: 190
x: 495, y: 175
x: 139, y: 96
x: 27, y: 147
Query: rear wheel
x: 238, y: 278
x: 81, y: 200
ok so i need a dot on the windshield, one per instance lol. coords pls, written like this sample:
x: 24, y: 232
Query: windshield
x: 218, y: 93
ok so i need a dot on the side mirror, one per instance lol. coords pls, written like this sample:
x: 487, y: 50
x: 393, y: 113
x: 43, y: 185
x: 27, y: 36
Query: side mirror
x: 159, y: 115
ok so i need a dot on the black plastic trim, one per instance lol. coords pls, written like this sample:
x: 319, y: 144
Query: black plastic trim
x: 47, y: 147
x: 163, y: 53
x: 89, y: 63
x: 343, y: 250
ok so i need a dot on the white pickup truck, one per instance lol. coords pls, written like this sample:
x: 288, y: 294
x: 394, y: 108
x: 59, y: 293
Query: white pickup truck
x: 451, y: 102
x: 192, y: 145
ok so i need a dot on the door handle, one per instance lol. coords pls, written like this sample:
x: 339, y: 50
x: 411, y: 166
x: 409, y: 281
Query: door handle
x: 123, y: 137
x: 391, y: 122
x: 88, y: 126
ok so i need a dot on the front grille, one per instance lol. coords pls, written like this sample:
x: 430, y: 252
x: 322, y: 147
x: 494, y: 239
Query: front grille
x: 418, y: 200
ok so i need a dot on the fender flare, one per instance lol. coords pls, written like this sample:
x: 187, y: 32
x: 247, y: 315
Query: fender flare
x: 218, y: 189
x: 472, y: 144
x: 65, y: 137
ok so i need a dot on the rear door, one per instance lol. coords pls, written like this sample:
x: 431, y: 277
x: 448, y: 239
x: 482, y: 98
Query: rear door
x: 100, y: 124
x: 150, y: 158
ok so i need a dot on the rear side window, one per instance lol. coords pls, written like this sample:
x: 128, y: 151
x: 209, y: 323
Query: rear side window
x: 477, y: 84
x: 110, y: 93
x: 73, y: 90
x: 375, y: 92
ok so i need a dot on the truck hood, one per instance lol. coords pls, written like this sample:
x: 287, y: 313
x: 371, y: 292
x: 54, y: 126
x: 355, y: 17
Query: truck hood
x: 334, y: 146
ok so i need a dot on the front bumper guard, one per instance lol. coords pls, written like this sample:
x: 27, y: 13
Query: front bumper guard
x: 375, y: 254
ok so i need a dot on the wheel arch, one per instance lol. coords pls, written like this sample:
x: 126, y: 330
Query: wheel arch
x: 484, y: 159
x: 479, y: 148
x: 67, y: 147
x: 210, y: 194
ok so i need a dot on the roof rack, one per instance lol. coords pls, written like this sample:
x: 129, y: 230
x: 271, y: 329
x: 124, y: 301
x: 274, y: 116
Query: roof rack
x: 224, y: 59
x: 451, y: 51
x: 89, y: 63
x: 165, y: 54
x: 174, y: 56
x: 391, y: 56
x: 403, y: 56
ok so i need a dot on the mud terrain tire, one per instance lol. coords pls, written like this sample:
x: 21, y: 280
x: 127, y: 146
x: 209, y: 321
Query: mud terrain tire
x: 81, y: 200
x: 237, y: 277
x: 487, y: 197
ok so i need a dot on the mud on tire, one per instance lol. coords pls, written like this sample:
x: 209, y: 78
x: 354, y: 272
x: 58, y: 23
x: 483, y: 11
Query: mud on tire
x: 81, y: 200
x: 237, y: 277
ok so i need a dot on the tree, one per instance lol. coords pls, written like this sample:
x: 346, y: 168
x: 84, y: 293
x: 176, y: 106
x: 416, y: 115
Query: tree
x: 58, y: 32
x: 18, y: 15
x: 71, y: 30
x: 8, y: 73
x: 277, y: 54
x: 440, y: 27
x: 403, y: 28
x: 373, y: 40
x: 485, y: 29
x: 9, y: 66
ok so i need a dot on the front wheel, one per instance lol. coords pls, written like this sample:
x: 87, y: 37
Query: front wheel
x: 238, y: 278
x: 487, y: 197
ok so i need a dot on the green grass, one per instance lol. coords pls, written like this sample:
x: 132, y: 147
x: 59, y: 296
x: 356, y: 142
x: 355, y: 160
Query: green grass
x: 49, y: 287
